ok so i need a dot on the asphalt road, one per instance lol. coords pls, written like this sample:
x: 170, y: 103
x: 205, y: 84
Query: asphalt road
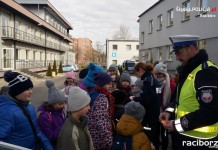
x: 40, y: 90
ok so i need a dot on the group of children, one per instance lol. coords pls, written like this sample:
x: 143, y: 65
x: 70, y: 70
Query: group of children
x: 94, y: 108
x: 96, y: 113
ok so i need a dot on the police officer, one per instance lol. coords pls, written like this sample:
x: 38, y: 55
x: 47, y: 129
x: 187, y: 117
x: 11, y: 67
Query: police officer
x: 196, y: 98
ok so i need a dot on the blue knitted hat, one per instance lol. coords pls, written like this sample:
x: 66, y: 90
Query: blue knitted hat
x: 89, y: 79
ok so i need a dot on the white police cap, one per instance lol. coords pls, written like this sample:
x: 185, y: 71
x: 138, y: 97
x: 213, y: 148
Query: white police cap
x: 180, y: 41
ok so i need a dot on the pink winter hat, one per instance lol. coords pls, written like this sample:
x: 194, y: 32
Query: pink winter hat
x: 71, y: 74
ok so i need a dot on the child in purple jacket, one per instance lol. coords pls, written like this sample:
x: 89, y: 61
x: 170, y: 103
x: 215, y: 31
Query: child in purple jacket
x: 51, y: 115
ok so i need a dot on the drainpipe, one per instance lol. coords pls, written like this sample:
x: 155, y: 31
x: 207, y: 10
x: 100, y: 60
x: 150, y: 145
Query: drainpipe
x: 45, y: 47
x: 14, y: 45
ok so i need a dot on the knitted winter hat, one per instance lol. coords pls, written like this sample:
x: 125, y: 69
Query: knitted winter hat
x: 102, y: 78
x: 161, y: 67
x: 83, y: 73
x: 17, y: 82
x: 71, y: 75
x: 113, y: 67
x: 125, y: 76
x: 77, y: 99
x: 135, y: 109
x: 89, y: 79
x: 54, y: 94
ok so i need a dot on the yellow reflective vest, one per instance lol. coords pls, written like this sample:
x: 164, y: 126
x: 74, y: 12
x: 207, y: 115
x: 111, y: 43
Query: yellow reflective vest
x: 188, y: 103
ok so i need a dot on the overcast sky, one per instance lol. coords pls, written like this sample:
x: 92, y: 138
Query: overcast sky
x: 100, y: 19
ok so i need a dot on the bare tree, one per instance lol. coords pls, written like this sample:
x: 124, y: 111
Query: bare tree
x: 123, y: 33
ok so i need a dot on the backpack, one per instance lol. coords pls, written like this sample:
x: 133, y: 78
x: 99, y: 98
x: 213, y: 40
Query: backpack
x: 122, y: 142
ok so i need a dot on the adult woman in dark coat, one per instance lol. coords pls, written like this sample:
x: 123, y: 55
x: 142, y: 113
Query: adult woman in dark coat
x: 150, y: 99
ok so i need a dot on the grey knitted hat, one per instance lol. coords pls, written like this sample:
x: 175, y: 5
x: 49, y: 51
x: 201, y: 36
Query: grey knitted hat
x: 77, y: 99
x: 54, y: 94
x: 161, y: 67
x: 125, y: 76
x: 135, y: 109
x: 113, y: 67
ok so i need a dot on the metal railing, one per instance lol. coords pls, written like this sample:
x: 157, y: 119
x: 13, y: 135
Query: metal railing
x: 49, y: 21
x: 12, y: 33
x: 23, y: 64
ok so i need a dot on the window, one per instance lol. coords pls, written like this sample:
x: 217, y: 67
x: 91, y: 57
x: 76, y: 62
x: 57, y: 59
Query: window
x: 34, y: 33
x: 5, y: 23
x: 17, y: 54
x: 128, y: 47
x: 142, y: 37
x: 186, y: 14
x: 47, y: 18
x: 159, y: 50
x: 202, y: 44
x: 17, y: 24
x: 41, y: 56
x: 170, y: 17
x: 114, y: 47
x: 114, y: 61
x: 159, y: 22
x: 27, y: 54
x: 40, y: 35
x: 169, y: 54
x: 137, y: 47
x: 150, y: 26
x: 203, y: 5
x: 34, y: 55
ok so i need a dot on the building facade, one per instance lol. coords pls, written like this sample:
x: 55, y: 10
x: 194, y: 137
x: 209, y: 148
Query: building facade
x: 166, y: 18
x: 33, y: 34
x: 84, y: 50
x: 117, y: 51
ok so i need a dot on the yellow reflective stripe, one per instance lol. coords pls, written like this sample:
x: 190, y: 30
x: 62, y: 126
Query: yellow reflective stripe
x: 211, y: 128
x: 182, y: 113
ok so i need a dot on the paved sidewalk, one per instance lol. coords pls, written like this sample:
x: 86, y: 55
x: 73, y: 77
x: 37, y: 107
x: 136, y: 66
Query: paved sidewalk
x: 40, y: 91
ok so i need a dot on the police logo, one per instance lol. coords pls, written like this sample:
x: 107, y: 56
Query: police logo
x: 206, y: 96
x: 185, y: 122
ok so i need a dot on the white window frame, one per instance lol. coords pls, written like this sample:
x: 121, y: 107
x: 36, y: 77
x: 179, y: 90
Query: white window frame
x: 159, y: 22
x: 160, y: 53
x: 137, y: 47
x: 186, y: 14
x: 142, y: 37
x: 150, y: 26
x: 169, y: 54
x: 114, y: 47
x: 27, y: 54
x: 202, y: 44
x: 202, y: 4
x: 170, y: 17
x: 128, y: 47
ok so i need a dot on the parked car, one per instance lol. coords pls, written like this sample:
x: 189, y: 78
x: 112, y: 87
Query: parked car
x: 76, y: 67
x: 69, y: 68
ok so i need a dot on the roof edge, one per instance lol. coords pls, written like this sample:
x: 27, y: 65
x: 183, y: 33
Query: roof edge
x: 155, y: 4
x: 56, y: 11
